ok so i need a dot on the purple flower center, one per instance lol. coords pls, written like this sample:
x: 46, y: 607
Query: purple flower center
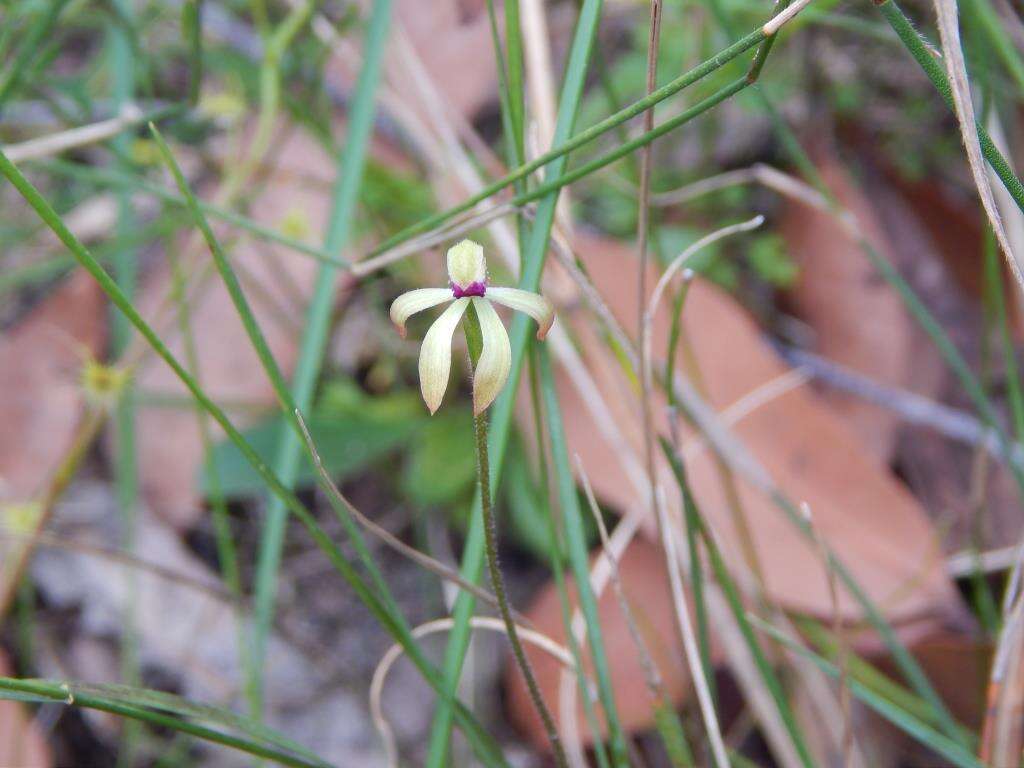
x: 475, y: 288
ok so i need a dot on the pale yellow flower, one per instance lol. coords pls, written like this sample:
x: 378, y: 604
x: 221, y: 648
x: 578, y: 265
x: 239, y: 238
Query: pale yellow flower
x: 467, y: 271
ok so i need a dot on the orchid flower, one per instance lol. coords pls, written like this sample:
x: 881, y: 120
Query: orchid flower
x: 467, y: 275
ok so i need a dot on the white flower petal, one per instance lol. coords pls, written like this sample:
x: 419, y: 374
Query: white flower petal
x: 495, y: 358
x: 466, y: 264
x: 533, y: 304
x: 411, y: 302
x: 436, y: 354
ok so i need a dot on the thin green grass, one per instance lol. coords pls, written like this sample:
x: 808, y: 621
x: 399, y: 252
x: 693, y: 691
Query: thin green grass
x: 314, y: 340
x: 165, y: 711
x: 935, y: 727
x: 917, y: 47
x: 513, y: 116
x: 908, y: 666
x: 945, y: 346
x: 379, y: 606
x: 28, y: 51
x: 227, y: 553
x: 558, y: 554
x: 954, y: 751
x: 579, y: 556
x: 126, y: 474
x: 732, y: 594
x: 533, y: 259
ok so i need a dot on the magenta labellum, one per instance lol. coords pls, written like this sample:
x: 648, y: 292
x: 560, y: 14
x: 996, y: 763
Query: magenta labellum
x: 467, y: 283
x: 473, y: 289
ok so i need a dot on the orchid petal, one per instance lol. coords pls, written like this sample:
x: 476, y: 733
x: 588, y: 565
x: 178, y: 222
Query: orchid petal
x: 495, y: 358
x: 466, y: 264
x: 411, y: 302
x: 436, y: 354
x: 533, y: 304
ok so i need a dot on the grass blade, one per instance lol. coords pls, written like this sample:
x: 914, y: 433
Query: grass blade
x: 927, y: 61
x: 963, y: 108
x: 125, y: 264
x: 192, y: 32
x: 158, y: 708
x: 579, y: 556
x: 533, y: 261
x: 384, y: 612
x: 732, y: 595
x: 31, y: 45
x: 346, y: 194
x: 943, y: 745
x: 564, y: 143
x: 113, y: 178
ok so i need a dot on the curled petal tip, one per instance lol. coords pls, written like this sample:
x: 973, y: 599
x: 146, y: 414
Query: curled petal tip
x: 533, y: 304
x: 544, y: 327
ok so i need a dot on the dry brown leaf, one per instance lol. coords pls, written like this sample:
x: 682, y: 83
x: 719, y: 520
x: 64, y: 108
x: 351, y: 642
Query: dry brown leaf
x: 454, y: 43
x: 22, y: 744
x: 857, y: 319
x: 862, y: 511
x: 277, y: 282
x: 939, y: 254
x: 645, y: 583
x: 956, y: 233
x: 867, y: 517
x: 40, y: 359
x: 42, y: 409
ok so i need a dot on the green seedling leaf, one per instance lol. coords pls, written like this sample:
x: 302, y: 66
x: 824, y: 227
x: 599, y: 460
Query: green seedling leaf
x: 349, y: 434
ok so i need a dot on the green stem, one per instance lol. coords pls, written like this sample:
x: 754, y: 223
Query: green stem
x: 381, y: 606
x: 31, y: 45
x: 227, y: 555
x: 558, y: 553
x: 629, y: 147
x: 112, y: 178
x: 46, y: 690
x: 732, y: 595
x: 126, y: 476
x: 558, y: 153
x: 314, y: 340
x: 270, y: 85
x: 933, y: 69
x: 498, y: 583
x: 578, y: 556
x: 192, y: 31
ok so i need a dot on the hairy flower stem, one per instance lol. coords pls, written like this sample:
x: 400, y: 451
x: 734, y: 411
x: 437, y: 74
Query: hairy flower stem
x: 498, y: 583
x: 471, y: 325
